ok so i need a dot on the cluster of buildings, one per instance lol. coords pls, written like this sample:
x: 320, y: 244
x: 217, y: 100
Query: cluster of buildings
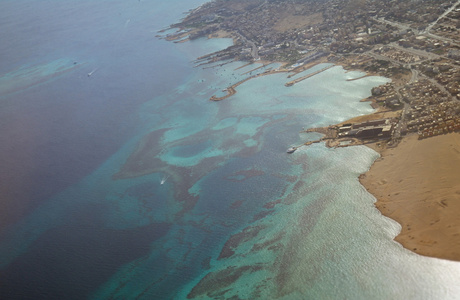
x: 418, y: 41
x: 411, y: 40
x: 449, y: 25
x: 437, y: 121
x: 386, y: 95
x: 398, y: 55
x: 431, y: 111
x: 449, y: 77
x: 289, y: 30
x: 416, y: 13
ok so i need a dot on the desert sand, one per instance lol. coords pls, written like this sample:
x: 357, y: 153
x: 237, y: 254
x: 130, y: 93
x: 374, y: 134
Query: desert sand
x: 417, y: 184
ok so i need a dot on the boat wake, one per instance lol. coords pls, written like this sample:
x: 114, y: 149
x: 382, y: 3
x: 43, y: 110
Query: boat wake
x: 163, y: 180
x: 91, y: 73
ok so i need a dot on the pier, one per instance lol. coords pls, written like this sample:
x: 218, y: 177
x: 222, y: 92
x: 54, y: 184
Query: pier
x: 294, y: 148
x: 262, y: 66
x: 313, y: 142
x: 291, y: 83
x: 357, y: 78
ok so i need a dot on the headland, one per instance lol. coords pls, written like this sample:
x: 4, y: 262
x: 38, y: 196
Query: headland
x: 417, y: 119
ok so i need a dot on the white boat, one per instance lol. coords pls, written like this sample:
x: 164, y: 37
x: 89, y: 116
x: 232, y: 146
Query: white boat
x: 291, y: 150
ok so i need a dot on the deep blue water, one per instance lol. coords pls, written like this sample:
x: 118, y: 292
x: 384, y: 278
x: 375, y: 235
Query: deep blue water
x: 58, y: 127
x: 128, y: 184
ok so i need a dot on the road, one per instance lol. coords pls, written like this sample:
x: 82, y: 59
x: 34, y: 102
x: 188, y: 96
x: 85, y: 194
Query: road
x: 421, y: 53
x: 254, y: 51
x: 254, y: 48
x: 402, y: 123
x: 394, y: 24
x: 441, y: 38
x: 426, y: 31
x: 430, y: 26
x: 417, y: 52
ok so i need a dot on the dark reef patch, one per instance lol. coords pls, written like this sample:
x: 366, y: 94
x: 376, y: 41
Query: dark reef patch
x: 235, y: 240
x: 272, y: 204
x: 214, y: 284
x: 236, y: 204
x: 262, y: 214
x: 267, y: 244
x: 244, y: 174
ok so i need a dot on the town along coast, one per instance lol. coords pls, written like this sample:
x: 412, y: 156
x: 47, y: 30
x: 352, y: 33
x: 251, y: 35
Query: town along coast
x: 417, y: 113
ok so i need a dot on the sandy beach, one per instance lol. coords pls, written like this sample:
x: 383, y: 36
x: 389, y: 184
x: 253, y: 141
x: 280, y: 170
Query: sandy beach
x: 416, y: 184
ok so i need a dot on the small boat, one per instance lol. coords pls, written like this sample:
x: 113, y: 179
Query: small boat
x: 291, y: 150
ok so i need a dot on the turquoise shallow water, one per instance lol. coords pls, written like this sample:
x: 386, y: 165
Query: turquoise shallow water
x: 131, y: 184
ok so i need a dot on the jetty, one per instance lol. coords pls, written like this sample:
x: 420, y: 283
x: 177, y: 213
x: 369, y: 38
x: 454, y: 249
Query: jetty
x: 291, y: 83
x: 314, y: 142
x: 260, y: 67
x: 231, y: 89
x: 360, y: 77
x: 294, y: 148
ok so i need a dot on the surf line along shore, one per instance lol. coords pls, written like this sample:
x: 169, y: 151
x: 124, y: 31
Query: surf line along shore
x: 404, y: 184
x: 414, y: 182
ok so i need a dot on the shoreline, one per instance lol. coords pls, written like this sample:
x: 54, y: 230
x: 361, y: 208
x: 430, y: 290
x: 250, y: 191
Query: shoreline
x: 414, y: 184
x: 439, y: 235
x: 424, y: 206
